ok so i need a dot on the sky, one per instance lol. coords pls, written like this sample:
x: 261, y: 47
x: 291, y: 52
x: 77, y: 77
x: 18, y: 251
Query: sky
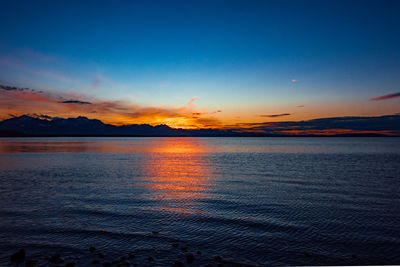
x: 199, y: 64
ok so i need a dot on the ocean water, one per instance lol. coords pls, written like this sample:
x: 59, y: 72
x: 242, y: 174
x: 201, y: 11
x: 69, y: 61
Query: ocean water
x: 255, y: 201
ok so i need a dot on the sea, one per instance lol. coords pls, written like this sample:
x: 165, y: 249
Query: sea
x: 229, y: 201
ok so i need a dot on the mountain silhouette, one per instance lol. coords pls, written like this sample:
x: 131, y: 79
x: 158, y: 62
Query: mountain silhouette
x: 81, y: 126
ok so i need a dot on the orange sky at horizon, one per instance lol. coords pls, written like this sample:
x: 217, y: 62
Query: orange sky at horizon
x: 190, y: 115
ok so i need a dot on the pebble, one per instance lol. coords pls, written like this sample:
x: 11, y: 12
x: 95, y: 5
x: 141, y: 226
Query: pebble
x: 56, y: 258
x: 18, y: 256
x: 218, y: 258
x: 189, y: 258
x: 100, y: 255
x: 92, y: 249
x: 150, y: 258
x: 131, y: 255
x: 30, y: 263
x: 178, y: 264
x: 95, y: 262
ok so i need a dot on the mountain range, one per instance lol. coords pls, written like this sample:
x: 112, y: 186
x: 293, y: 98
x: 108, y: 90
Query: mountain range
x: 81, y: 126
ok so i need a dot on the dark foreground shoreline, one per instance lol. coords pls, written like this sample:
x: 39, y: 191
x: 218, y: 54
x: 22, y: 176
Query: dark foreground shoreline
x: 184, y: 256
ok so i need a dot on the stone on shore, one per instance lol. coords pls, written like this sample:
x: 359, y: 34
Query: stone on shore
x: 218, y: 258
x: 19, y: 256
x: 56, y: 258
x: 189, y: 258
x: 178, y: 264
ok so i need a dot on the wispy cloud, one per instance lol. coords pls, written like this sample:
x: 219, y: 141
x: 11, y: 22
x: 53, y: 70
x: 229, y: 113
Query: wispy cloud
x: 300, y: 106
x: 18, y: 101
x: 190, y: 103
x: 385, y: 97
x: 38, y: 56
x: 275, y: 115
x: 24, y: 68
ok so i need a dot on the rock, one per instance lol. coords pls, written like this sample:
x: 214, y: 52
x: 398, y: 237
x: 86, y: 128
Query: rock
x: 131, y: 255
x: 123, y: 258
x: 155, y: 232
x: 95, y: 262
x: 308, y: 255
x: 150, y: 258
x: 19, y: 256
x: 218, y: 258
x: 189, y: 258
x: 100, y: 255
x: 198, y: 252
x: 219, y: 265
x: 115, y: 261
x: 56, y: 259
x: 175, y: 245
x: 70, y: 264
x: 209, y: 265
x: 106, y: 264
x: 92, y: 249
x: 30, y: 263
x: 184, y: 249
x: 178, y: 264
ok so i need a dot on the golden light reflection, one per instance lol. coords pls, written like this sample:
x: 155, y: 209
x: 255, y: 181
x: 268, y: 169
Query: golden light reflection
x: 179, y: 174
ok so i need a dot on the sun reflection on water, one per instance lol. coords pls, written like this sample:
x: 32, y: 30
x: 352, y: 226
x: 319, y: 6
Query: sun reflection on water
x: 178, y: 175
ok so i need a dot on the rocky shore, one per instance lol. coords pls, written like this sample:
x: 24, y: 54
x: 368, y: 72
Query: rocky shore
x: 183, y: 254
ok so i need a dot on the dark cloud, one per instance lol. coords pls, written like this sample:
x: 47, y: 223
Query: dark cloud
x: 275, y: 115
x: 41, y: 116
x: 15, y: 88
x: 389, y: 124
x: 75, y: 102
x: 385, y: 97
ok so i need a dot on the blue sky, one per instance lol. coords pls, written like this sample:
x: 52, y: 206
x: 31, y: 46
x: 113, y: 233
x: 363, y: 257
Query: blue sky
x: 236, y: 56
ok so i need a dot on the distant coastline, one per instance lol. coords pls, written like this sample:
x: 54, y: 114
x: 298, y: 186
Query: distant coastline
x: 21, y: 135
